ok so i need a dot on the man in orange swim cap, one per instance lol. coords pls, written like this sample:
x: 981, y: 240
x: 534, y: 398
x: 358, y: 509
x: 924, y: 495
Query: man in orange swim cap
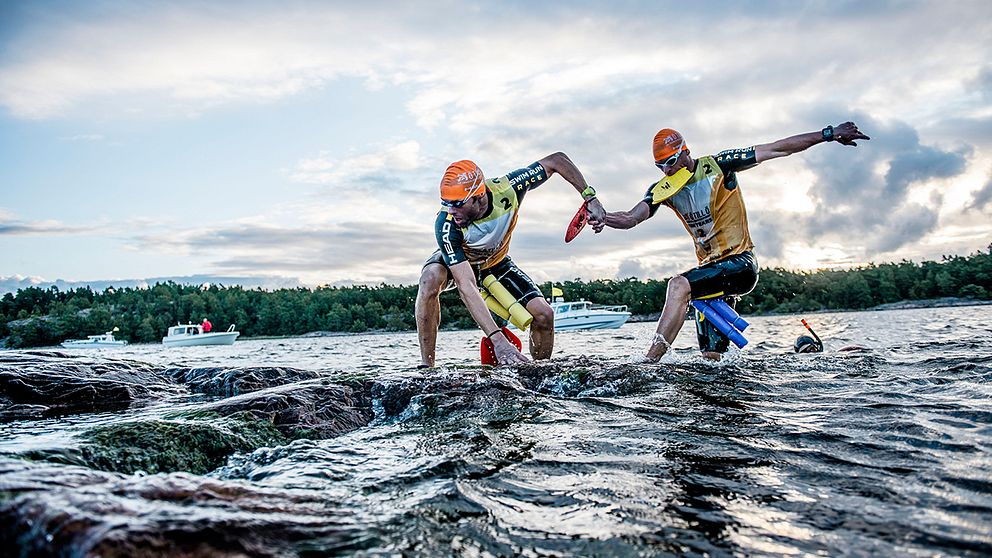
x: 705, y: 196
x: 473, y: 232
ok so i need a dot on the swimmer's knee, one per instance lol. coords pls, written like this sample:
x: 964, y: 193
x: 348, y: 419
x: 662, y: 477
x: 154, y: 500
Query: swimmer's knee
x: 679, y: 288
x: 544, y: 318
x: 432, y: 280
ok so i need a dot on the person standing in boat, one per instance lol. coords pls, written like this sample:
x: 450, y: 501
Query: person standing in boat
x: 705, y: 195
x: 206, y: 325
x: 473, y: 232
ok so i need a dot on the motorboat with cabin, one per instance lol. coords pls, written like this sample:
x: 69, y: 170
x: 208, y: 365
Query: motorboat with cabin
x: 190, y: 335
x: 103, y: 340
x: 583, y: 314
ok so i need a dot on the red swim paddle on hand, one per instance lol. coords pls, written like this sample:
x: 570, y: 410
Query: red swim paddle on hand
x: 488, y: 353
x: 578, y: 222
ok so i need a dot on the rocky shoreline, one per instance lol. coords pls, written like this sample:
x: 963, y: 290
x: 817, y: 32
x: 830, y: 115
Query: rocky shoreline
x: 931, y: 303
x: 140, y: 446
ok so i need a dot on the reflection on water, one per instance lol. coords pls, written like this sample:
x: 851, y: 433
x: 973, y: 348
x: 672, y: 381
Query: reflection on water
x: 885, y: 452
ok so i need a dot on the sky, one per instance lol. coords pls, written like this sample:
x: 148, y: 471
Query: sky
x: 302, y: 143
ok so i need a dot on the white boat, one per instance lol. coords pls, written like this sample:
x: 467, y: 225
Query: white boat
x: 586, y: 315
x: 192, y: 335
x: 95, y: 341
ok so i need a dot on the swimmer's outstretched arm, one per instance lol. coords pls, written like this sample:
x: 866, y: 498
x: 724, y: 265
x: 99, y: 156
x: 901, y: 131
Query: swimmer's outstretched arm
x: 622, y: 219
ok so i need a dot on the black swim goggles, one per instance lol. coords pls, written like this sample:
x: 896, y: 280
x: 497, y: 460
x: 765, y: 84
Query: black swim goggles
x: 454, y: 203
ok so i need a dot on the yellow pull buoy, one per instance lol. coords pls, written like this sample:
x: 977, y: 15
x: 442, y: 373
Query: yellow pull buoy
x: 508, y: 306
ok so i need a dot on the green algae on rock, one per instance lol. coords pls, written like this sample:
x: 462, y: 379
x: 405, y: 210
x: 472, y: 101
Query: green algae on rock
x: 165, y: 446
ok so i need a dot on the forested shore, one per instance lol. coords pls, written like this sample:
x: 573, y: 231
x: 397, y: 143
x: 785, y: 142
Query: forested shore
x: 35, y: 317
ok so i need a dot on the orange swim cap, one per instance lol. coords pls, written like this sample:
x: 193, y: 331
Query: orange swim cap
x: 462, y: 180
x: 667, y: 142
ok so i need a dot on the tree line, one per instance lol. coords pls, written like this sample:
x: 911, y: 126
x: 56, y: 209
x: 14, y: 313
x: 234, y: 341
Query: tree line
x: 35, y: 316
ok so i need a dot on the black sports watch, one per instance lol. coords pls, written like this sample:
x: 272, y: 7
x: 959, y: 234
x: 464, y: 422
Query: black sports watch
x: 827, y: 133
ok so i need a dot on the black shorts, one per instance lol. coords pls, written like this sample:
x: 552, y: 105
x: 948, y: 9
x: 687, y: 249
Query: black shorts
x: 731, y: 278
x: 520, y: 285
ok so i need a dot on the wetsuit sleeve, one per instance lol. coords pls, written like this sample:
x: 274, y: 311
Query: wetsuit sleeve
x: 649, y: 199
x: 733, y: 160
x: 449, y: 239
x: 526, y: 179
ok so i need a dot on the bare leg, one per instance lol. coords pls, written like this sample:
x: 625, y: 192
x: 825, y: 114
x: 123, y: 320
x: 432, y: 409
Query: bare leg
x: 542, y: 329
x: 428, y: 310
x: 672, y: 316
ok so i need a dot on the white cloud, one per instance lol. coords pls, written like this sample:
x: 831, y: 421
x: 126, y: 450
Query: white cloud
x: 11, y: 226
x: 363, y: 251
x: 362, y: 169
x: 195, y: 54
x: 83, y: 137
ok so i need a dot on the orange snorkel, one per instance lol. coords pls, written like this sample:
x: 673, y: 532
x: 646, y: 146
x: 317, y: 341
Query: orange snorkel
x: 815, y: 336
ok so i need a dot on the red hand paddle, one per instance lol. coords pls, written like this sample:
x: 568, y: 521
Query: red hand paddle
x: 488, y: 353
x: 578, y: 222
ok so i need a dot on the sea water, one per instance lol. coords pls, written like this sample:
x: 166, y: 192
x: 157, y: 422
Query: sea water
x: 883, y: 451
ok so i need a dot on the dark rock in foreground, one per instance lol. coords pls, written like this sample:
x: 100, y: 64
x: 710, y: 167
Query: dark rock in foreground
x: 59, y: 508
x: 165, y: 446
x: 201, y: 440
x: 45, y: 383
x: 587, y: 377
x: 225, y: 382
x: 56, y: 510
x: 313, y: 409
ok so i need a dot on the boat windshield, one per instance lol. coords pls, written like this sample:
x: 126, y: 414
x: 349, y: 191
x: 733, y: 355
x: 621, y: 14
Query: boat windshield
x: 563, y: 308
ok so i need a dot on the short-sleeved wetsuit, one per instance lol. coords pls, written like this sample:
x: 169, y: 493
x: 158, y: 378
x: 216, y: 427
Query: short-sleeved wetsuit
x: 710, y: 205
x: 711, y: 208
x: 485, y: 242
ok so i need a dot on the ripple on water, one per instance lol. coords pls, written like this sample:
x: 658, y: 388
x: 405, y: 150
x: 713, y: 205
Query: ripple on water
x: 880, y: 452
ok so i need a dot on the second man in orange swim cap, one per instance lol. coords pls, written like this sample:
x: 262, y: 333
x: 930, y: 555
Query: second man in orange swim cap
x: 705, y: 195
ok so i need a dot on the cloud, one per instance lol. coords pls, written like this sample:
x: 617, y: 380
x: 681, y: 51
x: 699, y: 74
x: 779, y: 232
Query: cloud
x: 983, y: 83
x: 767, y: 233
x: 365, y: 250
x: 982, y: 197
x: 906, y: 225
x: 185, y: 54
x: 972, y: 130
x: 650, y: 268
x: 83, y: 137
x: 13, y: 283
x: 630, y: 268
x: 195, y: 55
x: 10, y: 226
x: 864, y: 194
x: 389, y: 169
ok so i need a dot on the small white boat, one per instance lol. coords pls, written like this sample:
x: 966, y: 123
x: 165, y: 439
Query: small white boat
x: 586, y: 315
x: 95, y: 341
x: 192, y: 335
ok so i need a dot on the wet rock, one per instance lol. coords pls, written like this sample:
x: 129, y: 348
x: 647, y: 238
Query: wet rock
x: 226, y: 382
x: 156, y: 446
x: 393, y: 396
x: 588, y: 376
x: 11, y: 412
x: 312, y: 409
x: 63, y: 383
x: 57, y: 510
x: 201, y: 440
x: 493, y: 395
